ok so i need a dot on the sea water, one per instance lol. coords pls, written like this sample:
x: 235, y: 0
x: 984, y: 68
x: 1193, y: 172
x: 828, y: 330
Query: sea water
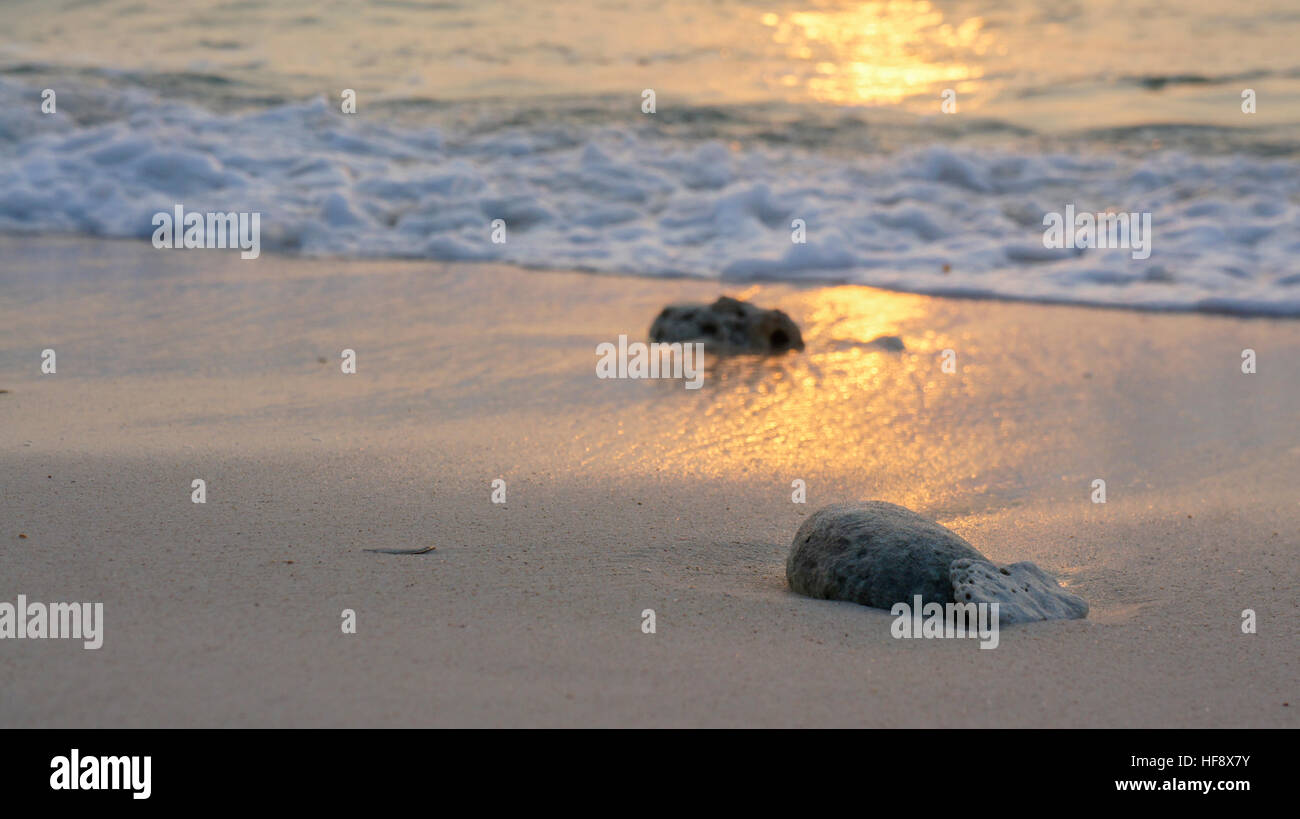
x: 906, y: 144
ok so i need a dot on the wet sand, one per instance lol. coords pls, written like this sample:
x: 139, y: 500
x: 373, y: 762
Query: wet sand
x: 620, y: 496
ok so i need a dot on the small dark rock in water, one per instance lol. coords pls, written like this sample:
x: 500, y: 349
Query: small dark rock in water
x: 892, y: 343
x: 728, y: 326
x: 878, y: 554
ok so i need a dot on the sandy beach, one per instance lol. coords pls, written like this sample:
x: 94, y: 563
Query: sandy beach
x: 621, y: 496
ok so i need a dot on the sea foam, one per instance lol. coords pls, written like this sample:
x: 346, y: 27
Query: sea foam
x: 625, y: 198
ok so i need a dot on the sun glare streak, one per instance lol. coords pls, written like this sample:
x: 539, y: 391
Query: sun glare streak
x: 878, y: 52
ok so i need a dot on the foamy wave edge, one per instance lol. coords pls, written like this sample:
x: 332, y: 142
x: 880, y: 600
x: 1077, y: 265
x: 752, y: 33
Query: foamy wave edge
x: 621, y: 199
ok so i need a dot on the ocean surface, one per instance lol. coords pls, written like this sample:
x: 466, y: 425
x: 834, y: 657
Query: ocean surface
x: 765, y: 113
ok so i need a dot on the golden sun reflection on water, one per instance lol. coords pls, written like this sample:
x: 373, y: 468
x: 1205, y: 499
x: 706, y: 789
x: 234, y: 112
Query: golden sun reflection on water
x: 879, y: 52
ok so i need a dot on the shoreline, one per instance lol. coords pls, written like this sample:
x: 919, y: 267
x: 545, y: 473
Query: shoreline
x: 1228, y: 311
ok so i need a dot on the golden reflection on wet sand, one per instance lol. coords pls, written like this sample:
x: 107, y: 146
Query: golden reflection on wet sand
x: 848, y: 405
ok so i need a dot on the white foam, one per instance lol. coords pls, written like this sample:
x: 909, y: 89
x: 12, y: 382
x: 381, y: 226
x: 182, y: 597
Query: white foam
x: 623, y: 200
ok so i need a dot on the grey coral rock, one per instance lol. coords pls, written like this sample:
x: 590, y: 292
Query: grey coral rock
x: 728, y: 326
x: 1023, y: 591
x: 874, y: 553
x: 878, y: 554
x: 893, y: 344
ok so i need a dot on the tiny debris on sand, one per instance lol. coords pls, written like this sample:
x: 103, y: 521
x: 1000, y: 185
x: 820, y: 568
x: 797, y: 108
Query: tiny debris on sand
x: 425, y: 550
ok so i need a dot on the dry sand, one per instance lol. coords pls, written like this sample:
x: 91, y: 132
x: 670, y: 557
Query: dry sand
x: 621, y: 496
